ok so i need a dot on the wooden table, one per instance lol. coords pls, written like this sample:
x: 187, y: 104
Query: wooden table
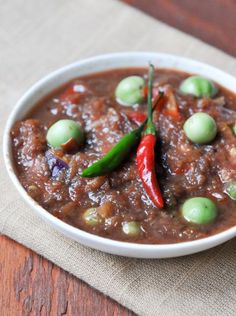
x: 33, y: 285
x: 213, y: 21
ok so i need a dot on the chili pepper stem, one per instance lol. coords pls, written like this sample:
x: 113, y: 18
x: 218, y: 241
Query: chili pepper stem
x: 148, y: 121
x: 150, y: 126
x: 150, y: 129
x: 149, y: 100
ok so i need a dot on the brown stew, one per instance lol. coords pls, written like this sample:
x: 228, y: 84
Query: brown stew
x: 184, y: 169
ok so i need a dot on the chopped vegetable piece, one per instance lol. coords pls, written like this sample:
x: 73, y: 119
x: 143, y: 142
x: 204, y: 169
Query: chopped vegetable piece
x: 136, y: 117
x: 70, y: 146
x: 131, y: 228
x: 139, y: 117
x: 231, y: 190
x: 63, y: 131
x: 146, y: 153
x: 234, y: 129
x: 91, y: 217
x: 198, y: 86
x: 199, y: 210
x: 171, y: 108
x: 73, y: 94
x: 130, y: 90
x: 105, y: 210
x: 55, y: 164
x: 200, y: 128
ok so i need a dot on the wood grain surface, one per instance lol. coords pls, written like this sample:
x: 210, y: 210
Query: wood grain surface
x: 30, y: 285
x: 213, y: 21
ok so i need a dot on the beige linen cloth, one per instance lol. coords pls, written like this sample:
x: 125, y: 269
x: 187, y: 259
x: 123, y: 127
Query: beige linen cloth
x: 37, y: 37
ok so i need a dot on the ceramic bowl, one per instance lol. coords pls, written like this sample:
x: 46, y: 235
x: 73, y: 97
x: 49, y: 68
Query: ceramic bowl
x: 92, y: 65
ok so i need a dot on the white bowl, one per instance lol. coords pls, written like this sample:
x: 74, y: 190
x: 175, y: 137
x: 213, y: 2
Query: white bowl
x: 91, y: 65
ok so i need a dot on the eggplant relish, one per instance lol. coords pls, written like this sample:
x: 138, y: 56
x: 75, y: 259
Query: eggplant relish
x: 137, y: 154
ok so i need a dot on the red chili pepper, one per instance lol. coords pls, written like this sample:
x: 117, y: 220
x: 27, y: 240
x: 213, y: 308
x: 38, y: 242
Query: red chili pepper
x: 139, y: 117
x: 171, y: 108
x: 70, y: 95
x: 161, y: 103
x: 136, y: 117
x: 146, y: 169
x: 146, y: 153
x: 145, y: 92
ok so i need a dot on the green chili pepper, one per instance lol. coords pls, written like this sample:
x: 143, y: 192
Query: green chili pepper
x: 118, y: 153
x: 115, y: 156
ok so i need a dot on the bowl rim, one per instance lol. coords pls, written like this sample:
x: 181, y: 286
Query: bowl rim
x: 91, y: 239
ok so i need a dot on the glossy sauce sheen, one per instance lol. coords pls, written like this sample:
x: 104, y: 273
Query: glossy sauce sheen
x: 183, y: 169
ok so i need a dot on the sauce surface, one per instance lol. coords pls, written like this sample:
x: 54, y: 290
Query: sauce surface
x: 184, y: 169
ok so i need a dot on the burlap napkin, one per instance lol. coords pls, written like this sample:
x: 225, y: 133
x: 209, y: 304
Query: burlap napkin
x: 39, y: 36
